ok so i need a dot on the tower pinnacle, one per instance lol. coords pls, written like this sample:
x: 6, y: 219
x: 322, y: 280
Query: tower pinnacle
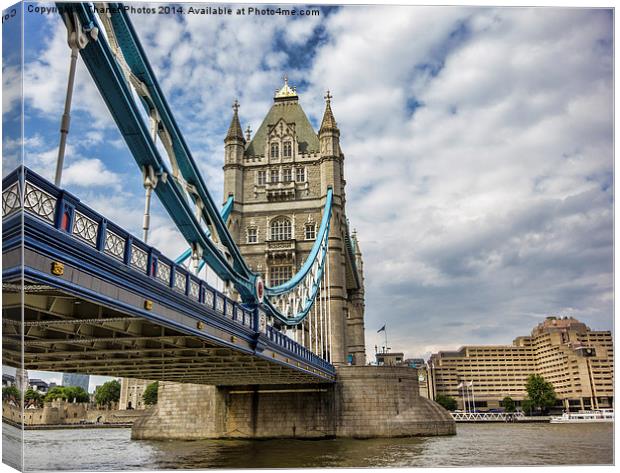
x: 234, y: 130
x: 329, y: 122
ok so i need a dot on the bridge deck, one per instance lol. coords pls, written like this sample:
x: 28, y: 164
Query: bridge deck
x: 105, y: 314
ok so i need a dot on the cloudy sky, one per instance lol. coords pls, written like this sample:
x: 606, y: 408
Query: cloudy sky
x: 478, y: 143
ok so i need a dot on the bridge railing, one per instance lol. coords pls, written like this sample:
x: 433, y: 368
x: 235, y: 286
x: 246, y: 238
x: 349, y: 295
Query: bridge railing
x: 63, y: 211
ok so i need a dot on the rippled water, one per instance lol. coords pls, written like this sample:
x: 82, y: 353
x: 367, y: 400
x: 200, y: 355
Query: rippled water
x: 474, y: 444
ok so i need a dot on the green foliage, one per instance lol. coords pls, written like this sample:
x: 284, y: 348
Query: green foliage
x: 540, y: 393
x: 527, y: 406
x: 32, y: 396
x: 108, y: 393
x: 10, y: 392
x: 150, y: 394
x: 68, y: 393
x: 447, y: 402
x: 508, y: 404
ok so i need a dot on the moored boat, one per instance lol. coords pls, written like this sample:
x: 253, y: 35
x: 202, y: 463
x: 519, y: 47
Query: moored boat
x: 599, y: 415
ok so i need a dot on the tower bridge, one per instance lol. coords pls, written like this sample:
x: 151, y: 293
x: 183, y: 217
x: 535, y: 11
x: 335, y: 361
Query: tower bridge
x: 281, y: 348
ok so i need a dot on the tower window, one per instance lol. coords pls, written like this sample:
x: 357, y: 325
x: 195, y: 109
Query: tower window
x: 310, y: 231
x: 279, y: 275
x: 300, y: 174
x: 274, y: 176
x: 275, y: 150
x: 287, y: 150
x: 281, y: 229
x: 261, y: 178
x: 252, y: 235
x: 287, y: 174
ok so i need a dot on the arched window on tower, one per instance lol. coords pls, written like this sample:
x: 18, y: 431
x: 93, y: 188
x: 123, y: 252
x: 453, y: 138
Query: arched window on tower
x: 281, y: 229
x: 287, y: 150
x: 275, y: 150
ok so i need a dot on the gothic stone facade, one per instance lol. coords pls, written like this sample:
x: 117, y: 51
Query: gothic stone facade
x: 279, y: 180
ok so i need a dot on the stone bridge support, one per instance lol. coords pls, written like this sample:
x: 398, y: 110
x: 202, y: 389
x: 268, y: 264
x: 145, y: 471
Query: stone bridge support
x: 365, y: 402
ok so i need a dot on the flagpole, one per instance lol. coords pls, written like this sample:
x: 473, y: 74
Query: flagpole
x: 386, y: 345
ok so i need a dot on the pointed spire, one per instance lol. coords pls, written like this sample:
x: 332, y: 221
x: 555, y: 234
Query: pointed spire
x: 234, y: 130
x: 356, y: 244
x: 329, y: 122
x: 248, y: 133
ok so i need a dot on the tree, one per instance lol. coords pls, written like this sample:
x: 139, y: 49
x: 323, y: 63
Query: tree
x: 32, y: 396
x: 447, y: 402
x: 10, y: 393
x: 150, y: 394
x: 508, y: 404
x: 540, y: 392
x: 108, y: 393
x: 527, y: 406
x: 67, y: 393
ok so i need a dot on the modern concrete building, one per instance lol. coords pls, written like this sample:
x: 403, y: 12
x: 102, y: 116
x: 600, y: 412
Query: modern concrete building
x: 131, y: 393
x: 279, y: 180
x: 576, y: 360
x: 76, y: 379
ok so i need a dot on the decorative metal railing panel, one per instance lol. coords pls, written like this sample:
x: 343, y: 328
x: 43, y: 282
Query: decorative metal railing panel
x: 219, y: 304
x: 39, y: 202
x: 194, y: 289
x: 85, y: 228
x: 180, y: 281
x: 163, y: 272
x: 139, y: 258
x: 11, y: 200
x: 114, y: 245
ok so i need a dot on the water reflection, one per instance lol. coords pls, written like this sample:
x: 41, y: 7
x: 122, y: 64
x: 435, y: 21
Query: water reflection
x: 491, y: 444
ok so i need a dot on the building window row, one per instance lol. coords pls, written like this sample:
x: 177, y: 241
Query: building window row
x: 287, y: 149
x: 281, y: 229
x: 281, y: 175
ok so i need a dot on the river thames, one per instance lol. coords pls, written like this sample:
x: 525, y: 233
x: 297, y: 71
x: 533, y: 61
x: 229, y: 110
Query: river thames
x: 474, y: 444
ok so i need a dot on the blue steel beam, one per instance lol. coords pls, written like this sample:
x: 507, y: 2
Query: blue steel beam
x: 140, y: 66
x: 225, y: 213
x: 116, y: 93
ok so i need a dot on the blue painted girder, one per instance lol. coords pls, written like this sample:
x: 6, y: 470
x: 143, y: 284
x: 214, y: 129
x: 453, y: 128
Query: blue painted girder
x: 116, y: 93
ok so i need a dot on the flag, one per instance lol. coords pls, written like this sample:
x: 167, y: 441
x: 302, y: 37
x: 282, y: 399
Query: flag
x: 470, y: 384
x: 459, y: 386
x: 382, y: 329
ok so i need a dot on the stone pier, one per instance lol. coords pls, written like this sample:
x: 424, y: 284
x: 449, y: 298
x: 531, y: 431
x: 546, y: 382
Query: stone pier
x: 365, y: 402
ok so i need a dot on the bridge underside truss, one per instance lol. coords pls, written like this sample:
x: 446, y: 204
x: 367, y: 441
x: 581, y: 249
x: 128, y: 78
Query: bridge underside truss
x: 63, y: 333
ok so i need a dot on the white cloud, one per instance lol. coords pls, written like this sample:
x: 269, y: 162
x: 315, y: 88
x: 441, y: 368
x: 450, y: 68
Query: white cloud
x: 11, y: 88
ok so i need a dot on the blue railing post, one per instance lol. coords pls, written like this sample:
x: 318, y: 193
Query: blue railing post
x: 151, y: 267
x: 65, y: 211
x: 103, y: 227
x: 128, y: 246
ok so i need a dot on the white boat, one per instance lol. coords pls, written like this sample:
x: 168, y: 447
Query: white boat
x: 600, y: 415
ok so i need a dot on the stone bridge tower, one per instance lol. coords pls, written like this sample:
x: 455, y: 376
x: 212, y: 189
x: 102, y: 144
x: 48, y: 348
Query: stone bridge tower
x: 279, y: 180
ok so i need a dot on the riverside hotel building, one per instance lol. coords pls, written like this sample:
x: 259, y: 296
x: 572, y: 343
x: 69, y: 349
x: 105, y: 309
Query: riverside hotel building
x: 576, y: 360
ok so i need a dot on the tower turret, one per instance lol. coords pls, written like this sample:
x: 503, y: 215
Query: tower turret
x: 234, y: 147
x: 331, y: 155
